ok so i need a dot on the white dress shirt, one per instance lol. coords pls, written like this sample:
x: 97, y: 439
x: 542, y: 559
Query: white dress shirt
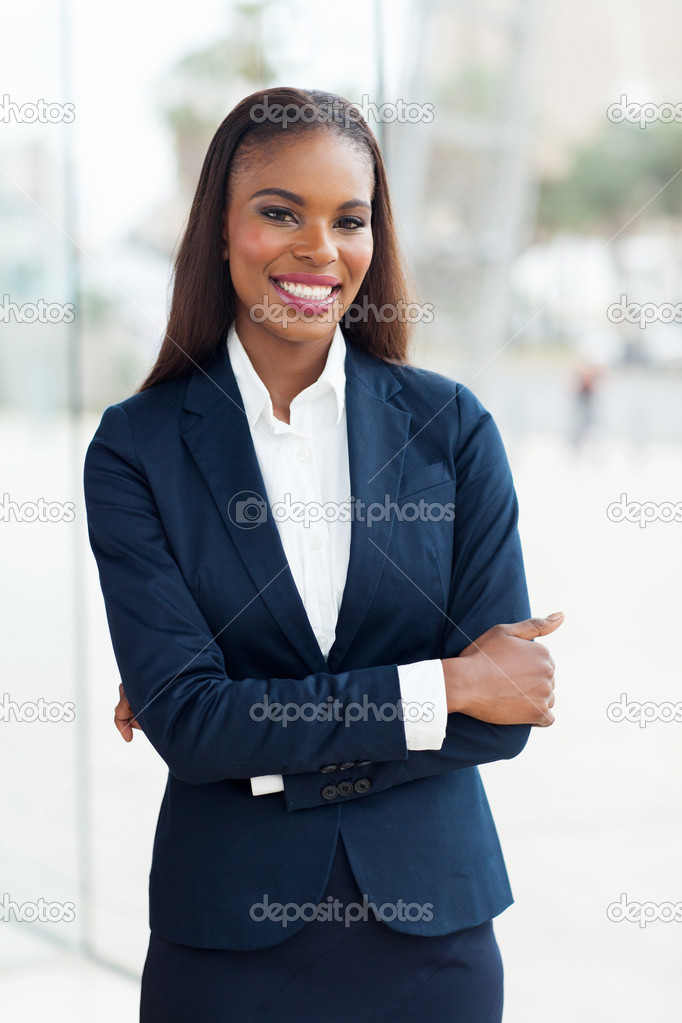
x: 306, y: 461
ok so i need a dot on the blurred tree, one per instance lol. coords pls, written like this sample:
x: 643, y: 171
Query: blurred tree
x: 202, y: 88
x: 622, y: 171
x: 475, y: 90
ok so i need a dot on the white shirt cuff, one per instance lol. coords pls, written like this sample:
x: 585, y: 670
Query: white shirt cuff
x: 266, y: 783
x: 425, y: 715
x: 425, y: 706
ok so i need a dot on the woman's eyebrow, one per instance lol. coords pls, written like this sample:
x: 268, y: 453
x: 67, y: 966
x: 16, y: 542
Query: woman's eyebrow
x: 355, y: 202
x: 300, y: 201
x: 282, y: 192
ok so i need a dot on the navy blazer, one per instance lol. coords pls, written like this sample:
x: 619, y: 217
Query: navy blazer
x: 207, y: 624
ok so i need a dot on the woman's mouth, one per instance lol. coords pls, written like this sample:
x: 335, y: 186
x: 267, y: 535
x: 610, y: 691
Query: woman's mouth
x: 311, y: 293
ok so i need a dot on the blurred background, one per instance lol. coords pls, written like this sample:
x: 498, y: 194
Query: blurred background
x: 540, y: 208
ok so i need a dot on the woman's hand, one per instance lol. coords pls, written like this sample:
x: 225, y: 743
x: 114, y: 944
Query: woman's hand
x: 124, y: 718
x: 502, y: 677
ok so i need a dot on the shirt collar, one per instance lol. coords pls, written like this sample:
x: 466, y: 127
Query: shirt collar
x: 255, y: 395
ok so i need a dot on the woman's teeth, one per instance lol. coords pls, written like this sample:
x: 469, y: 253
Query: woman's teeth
x: 304, y: 290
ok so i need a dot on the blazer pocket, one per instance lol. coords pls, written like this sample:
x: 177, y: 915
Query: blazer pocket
x: 426, y: 476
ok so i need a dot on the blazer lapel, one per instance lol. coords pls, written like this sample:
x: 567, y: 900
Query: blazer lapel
x: 216, y: 432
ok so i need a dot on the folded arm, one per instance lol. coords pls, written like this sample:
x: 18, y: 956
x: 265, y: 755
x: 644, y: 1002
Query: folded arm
x: 205, y: 725
x: 495, y: 701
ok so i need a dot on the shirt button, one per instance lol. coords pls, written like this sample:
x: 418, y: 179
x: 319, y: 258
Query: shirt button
x: 321, y: 639
x: 315, y: 542
x: 303, y: 454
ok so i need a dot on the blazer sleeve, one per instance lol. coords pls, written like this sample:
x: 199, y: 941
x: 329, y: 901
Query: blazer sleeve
x: 199, y: 719
x: 488, y: 587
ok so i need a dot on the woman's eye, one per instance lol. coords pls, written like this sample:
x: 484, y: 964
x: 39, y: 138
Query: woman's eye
x: 351, y: 223
x: 282, y: 215
x: 278, y: 213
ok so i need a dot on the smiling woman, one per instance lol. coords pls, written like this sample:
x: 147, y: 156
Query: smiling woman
x: 348, y: 193
x: 308, y: 549
x: 272, y: 232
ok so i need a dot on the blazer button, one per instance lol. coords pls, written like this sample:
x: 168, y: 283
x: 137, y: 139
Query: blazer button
x: 329, y: 768
x: 362, y: 763
x: 330, y: 792
x: 362, y: 785
x: 347, y: 766
x: 345, y: 788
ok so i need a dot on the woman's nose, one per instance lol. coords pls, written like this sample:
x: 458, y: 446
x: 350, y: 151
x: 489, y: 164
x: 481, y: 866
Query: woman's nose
x: 316, y: 244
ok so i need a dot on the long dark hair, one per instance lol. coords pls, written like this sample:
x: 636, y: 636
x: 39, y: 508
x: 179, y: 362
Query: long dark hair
x: 203, y: 302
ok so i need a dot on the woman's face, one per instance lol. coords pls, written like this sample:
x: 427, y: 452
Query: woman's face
x: 298, y: 237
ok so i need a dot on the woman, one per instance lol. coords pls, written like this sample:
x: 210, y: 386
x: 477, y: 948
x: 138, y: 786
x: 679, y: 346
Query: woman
x: 307, y: 549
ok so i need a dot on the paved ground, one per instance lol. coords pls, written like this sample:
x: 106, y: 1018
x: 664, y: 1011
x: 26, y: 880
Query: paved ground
x: 589, y: 811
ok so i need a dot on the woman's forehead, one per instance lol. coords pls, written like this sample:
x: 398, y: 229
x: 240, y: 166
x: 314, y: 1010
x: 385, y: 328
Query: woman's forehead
x: 302, y: 157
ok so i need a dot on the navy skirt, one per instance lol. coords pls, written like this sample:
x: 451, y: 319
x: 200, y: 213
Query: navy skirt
x: 351, y: 968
